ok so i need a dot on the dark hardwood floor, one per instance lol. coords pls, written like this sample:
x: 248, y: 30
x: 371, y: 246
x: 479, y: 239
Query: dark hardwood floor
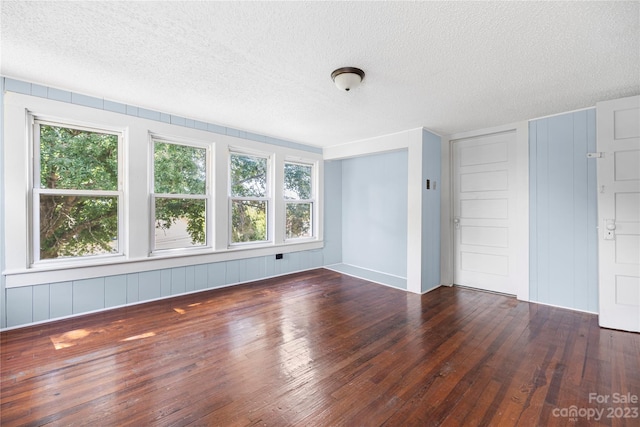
x: 322, y: 349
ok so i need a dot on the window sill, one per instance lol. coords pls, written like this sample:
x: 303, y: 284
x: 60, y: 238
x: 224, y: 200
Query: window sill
x: 112, y: 266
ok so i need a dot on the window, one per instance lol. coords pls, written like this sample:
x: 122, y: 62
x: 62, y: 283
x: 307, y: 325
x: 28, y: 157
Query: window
x: 94, y: 192
x: 179, y: 195
x: 249, y: 198
x: 298, y: 195
x: 77, y: 192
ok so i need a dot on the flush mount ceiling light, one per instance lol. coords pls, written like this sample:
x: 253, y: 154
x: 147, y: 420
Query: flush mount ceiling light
x: 346, y: 78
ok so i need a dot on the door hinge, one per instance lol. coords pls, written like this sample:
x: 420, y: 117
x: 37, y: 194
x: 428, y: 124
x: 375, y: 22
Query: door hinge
x: 598, y: 155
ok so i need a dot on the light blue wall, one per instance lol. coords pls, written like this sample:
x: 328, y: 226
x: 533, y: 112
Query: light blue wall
x: 332, y: 251
x: 563, y: 211
x: 28, y: 304
x: 32, y: 89
x: 374, y: 212
x: 3, y: 317
x: 431, y: 167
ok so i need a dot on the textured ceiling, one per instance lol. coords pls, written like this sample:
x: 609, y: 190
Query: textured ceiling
x: 265, y: 67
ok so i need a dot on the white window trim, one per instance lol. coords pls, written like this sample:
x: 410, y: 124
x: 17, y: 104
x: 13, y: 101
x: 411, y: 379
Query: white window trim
x: 268, y: 198
x: 136, y: 203
x: 312, y: 200
x: 35, y: 191
x: 207, y: 197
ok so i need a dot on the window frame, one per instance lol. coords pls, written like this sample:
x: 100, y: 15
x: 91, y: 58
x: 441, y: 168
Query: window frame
x: 207, y: 196
x: 134, y: 205
x: 268, y: 198
x: 311, y: 201
x: 35, y: 191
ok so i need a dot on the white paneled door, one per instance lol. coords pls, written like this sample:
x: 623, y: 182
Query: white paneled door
x: 484, y: 212
x: 618, y: 158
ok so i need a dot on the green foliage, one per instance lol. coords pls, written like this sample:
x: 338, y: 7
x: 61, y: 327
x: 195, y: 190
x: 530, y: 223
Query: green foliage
x: 297, y: 181
x: 72, y: 225
x: 298, y: 186
x: 248, y: 176
x: 249, y: 221
x: 179, y: 169
x: 168, y: 211
x: 298, y: 217
x: 77, y: 226
x: 248, y: 179
x: 76, y: 159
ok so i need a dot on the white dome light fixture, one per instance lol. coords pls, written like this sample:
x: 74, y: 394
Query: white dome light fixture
x: 347, y: 78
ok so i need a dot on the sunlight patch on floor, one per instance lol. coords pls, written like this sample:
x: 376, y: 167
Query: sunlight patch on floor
x: 141, y: 336
x: 69, y: 339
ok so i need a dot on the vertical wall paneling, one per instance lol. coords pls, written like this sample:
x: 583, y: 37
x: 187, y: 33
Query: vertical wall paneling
x: 189, y: 278
x: 533, y: 214
x: 133, y: 288
x: 216, y: 275
x: 332, y: 201
x: 19, y: 306
x: 374, y: 212
x: 233, y: 272
x: 61, y: 299
x: 27, y: 304
x: 270, y: 265
x: 200, y: 277
x: 88, y: 295
x: 562, y: 196
x: 563, y: 211
x: 253, y: 269
x: 292, y: 262
x: 149, y: 285
x: 27, y: 88
x: 178, y: 280
x: 115, y: 290
x: 3, y: 316
x: 592, y: 218
x: 316, y: 258
x: 431, y: 167
x: 40, y: 303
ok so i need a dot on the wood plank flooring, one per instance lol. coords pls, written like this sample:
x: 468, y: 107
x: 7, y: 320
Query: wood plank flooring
x: 322, y: 349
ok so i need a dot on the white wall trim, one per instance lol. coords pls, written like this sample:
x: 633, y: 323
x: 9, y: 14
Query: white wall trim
x: 136, y: 129
x: 100, y: 310
x: 522, y: 185
x: 380, y: 144
x: 562, y: 114
x: 563, y: 307
x: 414, y: 211
x: 411, y: 140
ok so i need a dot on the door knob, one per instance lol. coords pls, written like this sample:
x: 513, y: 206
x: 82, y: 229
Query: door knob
x: 609, y: 232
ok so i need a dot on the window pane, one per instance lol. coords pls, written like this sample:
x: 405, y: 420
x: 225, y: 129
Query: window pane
x: 248, y: 176
x: 179, y: 169
x: 298, y: 220
x: 248, y: 221
x: 180, y: 223
x: 297, y: 181
x: 75, y: 159
x: 74, y: 226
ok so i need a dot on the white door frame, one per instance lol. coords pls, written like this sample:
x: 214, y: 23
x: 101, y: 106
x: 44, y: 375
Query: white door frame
x: 617, y: 309
x: 521, y: 247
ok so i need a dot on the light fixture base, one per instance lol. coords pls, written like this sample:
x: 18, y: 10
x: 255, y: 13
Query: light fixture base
x: 346, y: 78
